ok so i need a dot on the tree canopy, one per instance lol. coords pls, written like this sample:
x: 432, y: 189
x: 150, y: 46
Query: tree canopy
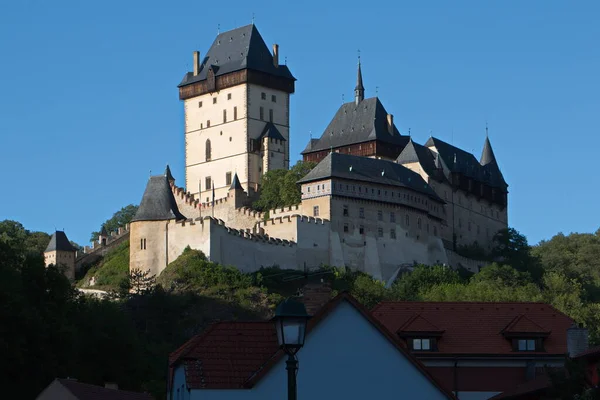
x: 279, y: 187
x: 119, y: 219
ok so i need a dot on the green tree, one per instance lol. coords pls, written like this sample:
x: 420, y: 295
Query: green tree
x: 119, y: 219
x: 421, y: 279
x: 511, y: 248
x: 279, y: 187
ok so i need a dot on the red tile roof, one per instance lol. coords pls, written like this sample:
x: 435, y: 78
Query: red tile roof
x: 417, y: 323
x: 522, y: 324
x: 236, y: 355
x: 83, y: 391
x: 477, y: 328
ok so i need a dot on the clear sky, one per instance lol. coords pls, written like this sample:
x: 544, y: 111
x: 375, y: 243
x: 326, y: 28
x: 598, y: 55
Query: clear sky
x: 89, y: 103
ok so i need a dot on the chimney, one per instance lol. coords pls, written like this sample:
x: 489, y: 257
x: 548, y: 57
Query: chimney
x: 315, y: 296
x: 390, y: 121
x: 276, y: 55
x: 196, y: 63
x: 111, y: 385
x: 577, y: 340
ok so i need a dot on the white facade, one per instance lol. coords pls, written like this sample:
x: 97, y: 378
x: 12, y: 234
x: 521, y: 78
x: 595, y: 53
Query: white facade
x: 219, y: 129
x: 344, y: 357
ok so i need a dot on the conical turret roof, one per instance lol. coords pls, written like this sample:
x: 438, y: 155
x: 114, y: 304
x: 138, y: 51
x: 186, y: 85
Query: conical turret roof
x: 158, y: 202
x: 487, y: 155
x: 168, y: 174
x: 59, y: 242
x: 235, y: 184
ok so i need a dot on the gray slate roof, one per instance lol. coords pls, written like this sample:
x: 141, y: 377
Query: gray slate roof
x: 365, y: 169
x: 467, y: 164
x: 271, y: 131
x: 158, y: 202
x: 235, y: 183
x: 60, y: 242
x: 356, y: 124
x: 238, y: 49
x: 83, y: 391
x: 168, y: 173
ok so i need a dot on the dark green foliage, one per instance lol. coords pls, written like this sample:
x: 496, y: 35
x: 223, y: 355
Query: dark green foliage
x: 119, y: 219
x: 279, y: 187
x: 571, y: 383
x: 111, y: 270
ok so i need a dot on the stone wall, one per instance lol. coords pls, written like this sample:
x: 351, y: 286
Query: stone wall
x: 92, y: 254
x: 455, y: 260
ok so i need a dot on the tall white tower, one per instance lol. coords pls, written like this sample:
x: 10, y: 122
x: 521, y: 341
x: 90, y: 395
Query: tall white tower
x: 237, y: 103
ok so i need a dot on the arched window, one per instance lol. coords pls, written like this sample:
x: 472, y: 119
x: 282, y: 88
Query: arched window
x: 407, y: 220
x: 208, y: 150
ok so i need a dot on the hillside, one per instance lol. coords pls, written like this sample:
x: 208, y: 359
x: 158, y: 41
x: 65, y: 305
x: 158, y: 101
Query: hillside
x: 109, y: 271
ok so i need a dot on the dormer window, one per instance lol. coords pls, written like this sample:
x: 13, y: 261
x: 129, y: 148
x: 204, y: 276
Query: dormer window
x: 526, y: 344
x: 422, y: 344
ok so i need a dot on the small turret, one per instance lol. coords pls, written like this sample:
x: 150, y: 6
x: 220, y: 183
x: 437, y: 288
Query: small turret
x: 60, y: 252
x: 487, y: 155
x: 103, y: 236
x: 237, y: 193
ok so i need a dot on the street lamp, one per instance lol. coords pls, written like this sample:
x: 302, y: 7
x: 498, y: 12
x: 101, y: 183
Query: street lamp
x: 290, y: 323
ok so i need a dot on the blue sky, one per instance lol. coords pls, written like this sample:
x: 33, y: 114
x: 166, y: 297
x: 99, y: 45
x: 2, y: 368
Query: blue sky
x: 89, y: 104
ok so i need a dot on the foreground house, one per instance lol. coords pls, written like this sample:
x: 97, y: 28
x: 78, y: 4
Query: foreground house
x: 347, y: 355
x: 481, y: 350
x: 70, y: 389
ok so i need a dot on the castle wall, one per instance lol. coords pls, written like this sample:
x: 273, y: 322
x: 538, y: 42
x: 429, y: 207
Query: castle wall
x: 148, y: 246
x: 62, y: 259
x: 472, y: 219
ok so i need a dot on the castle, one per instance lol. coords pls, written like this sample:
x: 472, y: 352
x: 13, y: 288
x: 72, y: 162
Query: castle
x: 375, y: 202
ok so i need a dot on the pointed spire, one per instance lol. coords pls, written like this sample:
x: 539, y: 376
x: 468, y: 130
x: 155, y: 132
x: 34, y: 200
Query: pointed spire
x: 359, y: 90
x: 235, y: 183
x: 168, y: 174
x: 487, y: 155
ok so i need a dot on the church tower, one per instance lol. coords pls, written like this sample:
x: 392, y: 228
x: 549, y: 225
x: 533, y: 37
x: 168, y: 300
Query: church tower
x: 237, y: 106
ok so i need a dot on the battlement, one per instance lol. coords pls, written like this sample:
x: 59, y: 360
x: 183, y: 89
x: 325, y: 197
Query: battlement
x: 255, y: 234
x: 288, y: 210
x: 292, y: 218
x: 113, y: 237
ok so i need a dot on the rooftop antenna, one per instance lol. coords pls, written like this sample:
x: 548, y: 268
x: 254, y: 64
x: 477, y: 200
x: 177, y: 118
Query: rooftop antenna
x: 343, y: 101
x: 376, y: 91
x: 486, y: 130
x: 218, y: 29
x: 408, y: 132
x: 150, y: 172
x: 252, y: 18
x: 310, y: 134
x: 431, y: 133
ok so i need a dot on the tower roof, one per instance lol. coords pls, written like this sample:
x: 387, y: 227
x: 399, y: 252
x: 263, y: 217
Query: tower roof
x: 168, y: 173
x: 158, y: 202
x: 487, y: 155
x: 356, y: 123
x: 271, y: 131
x: 59, y: 242
x: 235, y: 183
x: 238, y: 49
x: 414, y: 152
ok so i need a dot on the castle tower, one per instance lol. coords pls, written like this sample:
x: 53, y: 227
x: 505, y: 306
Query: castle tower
x: 236, y: 193
x: 103, y: 236
x: 61, y: 253
x: 236, y: 105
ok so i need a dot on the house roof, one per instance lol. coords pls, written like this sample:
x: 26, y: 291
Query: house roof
x: 417, y: 323
x: 83, y: 391
x: 367, y: 169
x: 522, y: 324
x: 237, y: 355
x: 238, y: 49
x: 59, y: 242
x: 472, y: 328
x: 357, y: 123
x: 158, y: 202
x: 465, y: 163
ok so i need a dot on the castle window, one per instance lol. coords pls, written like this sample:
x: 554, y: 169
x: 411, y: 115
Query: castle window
x: 309, y: 189
x: 234, y: 113
x: 392, y: 234
x: 201, y: 125
x: 230, y: 138
x: 427, y: 228
x: 435, y: 230
x: 380, y: 232
x: 228, y: 96
x: 316, y: 211
x: 208, y: 123
x: 224, y: 116
x: 207, y: 183
x: 379, y: 215
x: 208, y: 150
x: 214, y: 100
x: 419, y: 223
x: 361, y: 230
x: 346, y: 228
x: 478, y: 229
x: 346, y: 211
x: 378, y: 192
x: 143, y: 244
x: 271, y: 115
x: 361, y: 212
x: 407, y: 220
x: 263, y: 96
x: 262, y: 114
x: 199, y: 104
x: 392, y: 217
x: 273, y: 98
x: 228, y: 178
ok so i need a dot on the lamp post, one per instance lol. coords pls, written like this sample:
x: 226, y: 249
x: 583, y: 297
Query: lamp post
x: 290, y: 323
